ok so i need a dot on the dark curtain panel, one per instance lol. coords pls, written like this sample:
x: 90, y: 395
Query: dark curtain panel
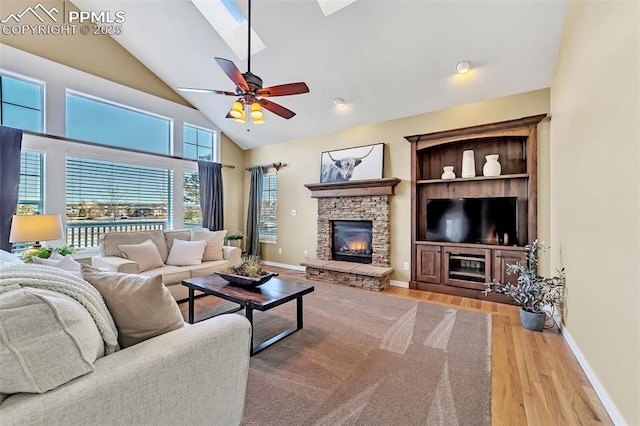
x: 253, y: 213
x: 10, y: 146
x: 211, y: 204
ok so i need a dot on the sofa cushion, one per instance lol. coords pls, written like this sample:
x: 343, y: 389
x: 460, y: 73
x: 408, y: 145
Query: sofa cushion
x: 170, y: 274
x: 141, y: 306
x: 208, y: 268
x: 215, y: 241
x: 109, y: 242
x: 145, y: 254
x: 186, y: 253
x: 46, y: 340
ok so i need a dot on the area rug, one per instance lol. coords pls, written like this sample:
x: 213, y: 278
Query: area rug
x: 366, y: 358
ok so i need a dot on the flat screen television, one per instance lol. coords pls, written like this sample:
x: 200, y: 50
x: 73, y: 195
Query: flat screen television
x: 473, y: 220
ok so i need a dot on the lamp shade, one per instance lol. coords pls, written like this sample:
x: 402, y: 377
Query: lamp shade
x: 237, y: 110
x: 242, y: 118
x: 256, y: 110
x: 39, y: 227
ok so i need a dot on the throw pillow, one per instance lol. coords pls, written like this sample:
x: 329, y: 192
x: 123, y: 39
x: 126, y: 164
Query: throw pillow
x: 141, y: 307
x: 186, y: 253
x: 215, y: 241
x: 145, y: 254
x: 47, y: 340
x: 8, y: 258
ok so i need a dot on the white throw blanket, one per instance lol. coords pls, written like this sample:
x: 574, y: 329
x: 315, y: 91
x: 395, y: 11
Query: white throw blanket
x: 50, y: 278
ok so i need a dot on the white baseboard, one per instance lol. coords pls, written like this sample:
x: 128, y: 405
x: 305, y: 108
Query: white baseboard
x: 285, y: 266
x: 402, y: 284
x: 613, y: 412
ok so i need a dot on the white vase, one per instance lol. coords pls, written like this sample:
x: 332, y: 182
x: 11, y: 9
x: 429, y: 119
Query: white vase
x: 468, y: 164
x: 448, y: 173
x: 492, y: 166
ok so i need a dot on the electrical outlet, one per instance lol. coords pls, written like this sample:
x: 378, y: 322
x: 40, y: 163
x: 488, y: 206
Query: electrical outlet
x: 406, y: 266
x: 294, y: 212
x: 279, y: 250
x: 306, y: 254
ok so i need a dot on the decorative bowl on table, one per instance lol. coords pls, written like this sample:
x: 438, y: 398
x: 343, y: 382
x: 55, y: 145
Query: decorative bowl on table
x: 245, y: 281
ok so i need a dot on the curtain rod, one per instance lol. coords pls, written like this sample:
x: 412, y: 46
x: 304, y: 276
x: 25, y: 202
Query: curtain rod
x: 277, y: 165
x: 118, y: 148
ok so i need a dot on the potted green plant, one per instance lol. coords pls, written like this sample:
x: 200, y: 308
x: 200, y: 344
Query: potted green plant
x: 234, y: 239
x: 532, y: 292
x: 45, y: 252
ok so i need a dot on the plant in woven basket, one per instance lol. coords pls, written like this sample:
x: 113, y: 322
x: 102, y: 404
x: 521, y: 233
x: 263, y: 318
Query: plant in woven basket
x: 250, y: 267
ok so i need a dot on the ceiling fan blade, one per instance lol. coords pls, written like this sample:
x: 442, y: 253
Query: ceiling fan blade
x: 284, y: 90
x: 198, y: 90
x: 277, y: 109
x: 232, y: 72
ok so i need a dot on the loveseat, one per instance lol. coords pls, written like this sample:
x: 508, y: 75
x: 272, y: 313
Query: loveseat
x: 112, y: 257
x: 61, y: 363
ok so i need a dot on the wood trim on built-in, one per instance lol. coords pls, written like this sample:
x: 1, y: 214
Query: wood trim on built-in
x: 356, y: 188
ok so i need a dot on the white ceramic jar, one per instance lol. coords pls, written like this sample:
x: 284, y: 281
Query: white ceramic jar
x: 468, y: 164
x: 448, y: 173
x: 492, y: 167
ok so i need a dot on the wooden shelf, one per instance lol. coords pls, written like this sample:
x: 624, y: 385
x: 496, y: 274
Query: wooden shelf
x: 477, y: 178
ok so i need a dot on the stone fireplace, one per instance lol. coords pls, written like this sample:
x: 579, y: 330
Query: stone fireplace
x: 352, y: 259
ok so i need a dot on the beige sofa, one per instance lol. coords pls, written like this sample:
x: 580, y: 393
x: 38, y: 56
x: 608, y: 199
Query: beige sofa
x: 111, y: 259
x: 59, y: 364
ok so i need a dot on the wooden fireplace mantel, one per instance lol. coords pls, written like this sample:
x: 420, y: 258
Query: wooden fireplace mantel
x: 356, y: 188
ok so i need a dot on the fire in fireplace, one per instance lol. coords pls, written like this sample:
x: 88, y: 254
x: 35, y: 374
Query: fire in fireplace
x: 352, y: 240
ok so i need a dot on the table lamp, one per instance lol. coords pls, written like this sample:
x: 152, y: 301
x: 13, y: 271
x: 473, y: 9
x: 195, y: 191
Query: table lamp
x: 36, y: 228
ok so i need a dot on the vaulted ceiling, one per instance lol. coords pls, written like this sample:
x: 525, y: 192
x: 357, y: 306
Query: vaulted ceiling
x: 386, y: 59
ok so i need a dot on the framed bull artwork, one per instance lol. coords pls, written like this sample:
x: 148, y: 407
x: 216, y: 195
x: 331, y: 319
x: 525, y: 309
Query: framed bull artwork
x: 358, y: 163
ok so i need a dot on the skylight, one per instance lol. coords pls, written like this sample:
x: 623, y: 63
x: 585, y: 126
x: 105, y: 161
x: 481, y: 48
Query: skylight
x: 332, y: 6
x: 228, y: 20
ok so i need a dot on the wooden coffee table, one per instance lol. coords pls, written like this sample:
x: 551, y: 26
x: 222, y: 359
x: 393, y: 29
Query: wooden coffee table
x: 273, y: 293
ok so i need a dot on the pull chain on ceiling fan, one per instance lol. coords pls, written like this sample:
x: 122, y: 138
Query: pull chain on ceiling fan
x: 249, y: 91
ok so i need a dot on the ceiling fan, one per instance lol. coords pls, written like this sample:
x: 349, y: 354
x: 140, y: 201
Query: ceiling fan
x: 249, y: 90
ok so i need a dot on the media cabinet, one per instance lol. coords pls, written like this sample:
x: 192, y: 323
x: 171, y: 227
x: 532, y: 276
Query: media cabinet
x: 463, y: 268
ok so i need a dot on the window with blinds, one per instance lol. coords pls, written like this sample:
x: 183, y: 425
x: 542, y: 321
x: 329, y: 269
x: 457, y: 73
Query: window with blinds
x: 191, y: 209
x: 21, y: 104
x: 268, y: 226
x: 30, y: 192
x: 105, y: 197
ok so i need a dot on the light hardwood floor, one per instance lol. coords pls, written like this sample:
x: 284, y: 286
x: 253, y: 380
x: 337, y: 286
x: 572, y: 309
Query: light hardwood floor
x: 536, y: 380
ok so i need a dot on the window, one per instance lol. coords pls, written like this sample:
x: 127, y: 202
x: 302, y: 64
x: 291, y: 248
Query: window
x: 30, y: 192
x: 21, y: 104
x: 192, y: 212
x: 101, y: 122
x: 198, y: 144
x: 268, y: 225
x: 105, y: 197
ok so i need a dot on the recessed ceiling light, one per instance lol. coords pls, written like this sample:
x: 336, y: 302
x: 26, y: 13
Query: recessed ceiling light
x: 339, y: 102
x: 463, y: 67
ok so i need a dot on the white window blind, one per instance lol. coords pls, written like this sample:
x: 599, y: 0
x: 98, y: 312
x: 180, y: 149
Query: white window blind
x: 268, y: 228
x: 30, y: 192
x: 105, y: 196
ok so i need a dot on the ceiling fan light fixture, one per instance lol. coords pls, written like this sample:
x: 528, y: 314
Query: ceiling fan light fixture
x: 237, y: 110
x: 259, y: 120
x: 242, y: 118
x: 256, y: 111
